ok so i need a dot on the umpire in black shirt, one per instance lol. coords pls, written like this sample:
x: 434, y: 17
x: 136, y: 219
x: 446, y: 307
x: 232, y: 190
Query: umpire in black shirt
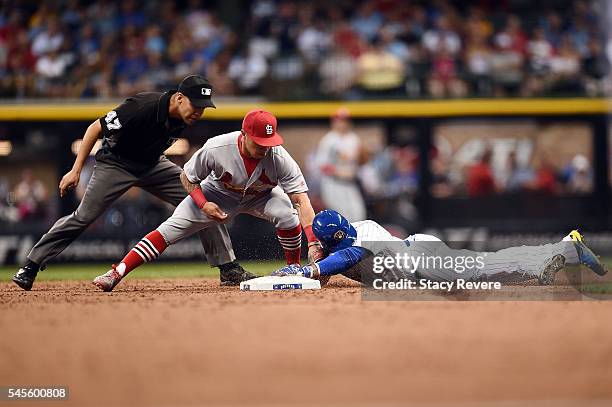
x: 134, y: 137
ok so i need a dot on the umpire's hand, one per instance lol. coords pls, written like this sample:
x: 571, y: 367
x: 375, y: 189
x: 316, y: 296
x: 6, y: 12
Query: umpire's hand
x: 213, y: 211
x: 69, y: 181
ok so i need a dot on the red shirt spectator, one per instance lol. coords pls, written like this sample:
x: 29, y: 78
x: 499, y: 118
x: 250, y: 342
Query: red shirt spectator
x: 480, y: 181
x: 546, y: 180
x: 347, y: 39
x: 443, y: 66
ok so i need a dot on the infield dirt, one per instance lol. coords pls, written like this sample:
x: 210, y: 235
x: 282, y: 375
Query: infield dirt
x: 190, y: 342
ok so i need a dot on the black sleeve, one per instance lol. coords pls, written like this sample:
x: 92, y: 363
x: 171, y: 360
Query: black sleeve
x: 120, y: 118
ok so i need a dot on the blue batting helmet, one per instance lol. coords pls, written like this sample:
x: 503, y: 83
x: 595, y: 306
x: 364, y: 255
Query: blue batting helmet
x: 333, y: 230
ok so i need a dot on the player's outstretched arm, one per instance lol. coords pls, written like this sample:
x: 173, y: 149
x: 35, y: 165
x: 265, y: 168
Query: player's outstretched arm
x: 336, y: 263
x: 342, y: 260
x: 72, y: 177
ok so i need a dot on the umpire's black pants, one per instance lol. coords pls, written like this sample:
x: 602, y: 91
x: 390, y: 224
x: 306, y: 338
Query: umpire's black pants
x: 108, y: 182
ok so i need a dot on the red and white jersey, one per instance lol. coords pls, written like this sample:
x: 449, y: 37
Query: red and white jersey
x: 220, y: 165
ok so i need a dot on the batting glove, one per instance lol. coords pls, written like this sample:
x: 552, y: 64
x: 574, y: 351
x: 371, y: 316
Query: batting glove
x: 310, y: 271
x: 290, y: 270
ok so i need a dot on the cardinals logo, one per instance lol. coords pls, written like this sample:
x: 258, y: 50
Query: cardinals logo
x: 263, y: 184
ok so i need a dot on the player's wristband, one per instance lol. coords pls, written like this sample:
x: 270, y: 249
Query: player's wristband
x: 198, y: 197
x: 310, y: 236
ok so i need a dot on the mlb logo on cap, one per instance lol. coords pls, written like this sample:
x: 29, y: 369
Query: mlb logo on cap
x: 198, y: 90
x: 260, y: 126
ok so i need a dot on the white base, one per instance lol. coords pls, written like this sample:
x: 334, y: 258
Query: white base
x: 270, y: 283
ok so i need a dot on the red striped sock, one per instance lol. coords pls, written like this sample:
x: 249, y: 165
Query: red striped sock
x: 291, y: 241
x: 149, y: 248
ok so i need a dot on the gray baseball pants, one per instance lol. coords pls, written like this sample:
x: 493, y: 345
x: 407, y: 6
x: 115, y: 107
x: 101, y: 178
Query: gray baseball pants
x: 275, y: 207
x: 438, y: 262
x: 511, y: 264
x: 108, y: 182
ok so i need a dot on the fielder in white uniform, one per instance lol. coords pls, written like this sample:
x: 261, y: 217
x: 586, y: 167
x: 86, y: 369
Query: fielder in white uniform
x: 354, y: 247
x: 246, y: 171
x: 338, y: 157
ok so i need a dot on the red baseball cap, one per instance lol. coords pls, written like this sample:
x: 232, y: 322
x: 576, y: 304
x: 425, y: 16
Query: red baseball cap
x: 260, y: 126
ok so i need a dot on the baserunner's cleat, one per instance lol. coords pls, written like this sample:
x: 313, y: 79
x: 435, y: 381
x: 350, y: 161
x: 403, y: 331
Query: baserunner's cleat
x: 576, y: 236
x: 550, y: 269
x: 586, y: 255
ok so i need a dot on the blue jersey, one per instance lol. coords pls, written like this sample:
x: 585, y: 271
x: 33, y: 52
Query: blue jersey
x: 371, y: 239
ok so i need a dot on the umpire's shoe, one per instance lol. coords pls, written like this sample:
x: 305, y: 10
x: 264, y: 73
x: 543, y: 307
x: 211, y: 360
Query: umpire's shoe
x: 25, y: 277
x: 234, y: 275
x: 586, y: 255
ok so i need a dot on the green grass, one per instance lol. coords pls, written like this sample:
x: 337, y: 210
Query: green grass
x: 56, y: 272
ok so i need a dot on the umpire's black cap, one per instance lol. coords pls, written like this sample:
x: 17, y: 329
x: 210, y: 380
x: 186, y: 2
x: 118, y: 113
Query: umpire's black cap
x: 198, y: 90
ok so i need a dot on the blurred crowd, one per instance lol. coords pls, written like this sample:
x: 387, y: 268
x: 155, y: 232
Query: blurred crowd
x: 510, y: 174
x: 25, y: 201
x: 360, y: 179
x: 381, y: 181
x: 305, y: 49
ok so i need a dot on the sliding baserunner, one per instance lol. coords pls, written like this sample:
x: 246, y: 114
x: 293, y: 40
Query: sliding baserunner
x: 354, y: 249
